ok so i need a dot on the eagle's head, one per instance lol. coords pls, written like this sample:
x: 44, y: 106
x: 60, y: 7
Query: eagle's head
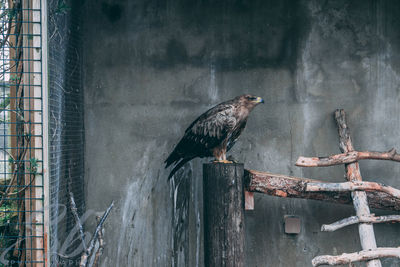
x: 250, y: 101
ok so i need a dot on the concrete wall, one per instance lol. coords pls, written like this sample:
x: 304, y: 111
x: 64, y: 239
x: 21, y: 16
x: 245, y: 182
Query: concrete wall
x: 151, y: 67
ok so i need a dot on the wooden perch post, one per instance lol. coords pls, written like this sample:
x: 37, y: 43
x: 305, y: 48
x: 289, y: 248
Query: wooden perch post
x: 223, y: 214
x: 366, y: 231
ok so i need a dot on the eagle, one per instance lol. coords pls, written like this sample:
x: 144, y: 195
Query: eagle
x: 214, y: 132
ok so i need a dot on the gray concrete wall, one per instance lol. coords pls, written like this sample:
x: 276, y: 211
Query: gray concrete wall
x: 151, y: 67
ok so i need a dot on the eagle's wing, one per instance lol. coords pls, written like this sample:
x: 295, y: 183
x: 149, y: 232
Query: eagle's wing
x: 236, y: 133
x: 206, y: 132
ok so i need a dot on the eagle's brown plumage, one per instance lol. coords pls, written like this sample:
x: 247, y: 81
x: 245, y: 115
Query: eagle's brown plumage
x: 214, y: 132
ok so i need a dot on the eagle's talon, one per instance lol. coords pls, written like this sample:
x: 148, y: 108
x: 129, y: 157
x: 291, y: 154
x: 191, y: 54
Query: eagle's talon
x: 231, y: 158
x: 222, y: 161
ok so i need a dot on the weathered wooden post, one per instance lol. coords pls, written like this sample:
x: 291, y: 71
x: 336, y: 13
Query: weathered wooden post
x: 360, y: 201
x: 223, y: 214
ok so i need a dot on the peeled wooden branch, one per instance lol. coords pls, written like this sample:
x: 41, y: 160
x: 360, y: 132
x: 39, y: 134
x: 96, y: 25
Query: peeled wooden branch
x: 355, y: 219
x: 346, y: 158
x: 77, y: 220
x: 99, y: 250
x: 353, y: 186
x: 360, y: 201
x: 88, y: 251
x: 295, y: 187
x: 364, y: 255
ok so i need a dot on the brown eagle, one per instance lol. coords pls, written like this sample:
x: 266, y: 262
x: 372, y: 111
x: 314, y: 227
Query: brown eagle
x: 214, y: 132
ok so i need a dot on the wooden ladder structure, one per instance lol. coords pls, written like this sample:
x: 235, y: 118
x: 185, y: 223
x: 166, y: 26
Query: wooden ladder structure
x: 361, y: 194
x: 364, y: 218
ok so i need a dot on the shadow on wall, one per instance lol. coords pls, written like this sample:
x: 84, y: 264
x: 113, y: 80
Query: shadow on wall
x: 233, y: 34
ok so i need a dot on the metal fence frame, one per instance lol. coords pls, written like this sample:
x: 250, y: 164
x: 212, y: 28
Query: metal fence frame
x: 24, y: 202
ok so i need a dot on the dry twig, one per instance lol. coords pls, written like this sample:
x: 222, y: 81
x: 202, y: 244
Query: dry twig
x: 100, y: 248
x: 19, y: 164
x: 77, y: 220
x: 86, y: 254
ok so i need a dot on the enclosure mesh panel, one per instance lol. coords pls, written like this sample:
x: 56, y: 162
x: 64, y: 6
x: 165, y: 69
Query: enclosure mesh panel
x: 21, y: 135
x: 66, y: 134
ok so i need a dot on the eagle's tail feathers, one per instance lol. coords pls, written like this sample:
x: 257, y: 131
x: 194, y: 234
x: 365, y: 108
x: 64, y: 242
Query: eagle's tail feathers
x: 176, y: 154
x: 178, y: 166
x: 173, y: 158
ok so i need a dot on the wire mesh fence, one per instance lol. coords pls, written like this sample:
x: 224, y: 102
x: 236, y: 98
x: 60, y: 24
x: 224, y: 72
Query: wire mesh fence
x: 22, y: 239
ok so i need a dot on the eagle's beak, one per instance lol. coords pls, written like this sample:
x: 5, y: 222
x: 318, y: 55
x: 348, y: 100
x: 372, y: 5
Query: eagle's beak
x: 259, y: 100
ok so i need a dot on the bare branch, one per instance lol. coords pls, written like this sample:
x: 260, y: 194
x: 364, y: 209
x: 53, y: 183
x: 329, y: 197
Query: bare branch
x: 77, y: 220
x: 6, y: 193
x: 23, y: 188
x: 9, y: 154
x: 352, y: 186
x: 86, y: 254
x: 365, y: 255
x: 100, y: 248
x: 363, y: 219
x: 346, y: 158
x: 295, y: 187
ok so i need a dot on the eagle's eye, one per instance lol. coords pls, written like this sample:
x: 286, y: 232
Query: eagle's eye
x: 252, y: 98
